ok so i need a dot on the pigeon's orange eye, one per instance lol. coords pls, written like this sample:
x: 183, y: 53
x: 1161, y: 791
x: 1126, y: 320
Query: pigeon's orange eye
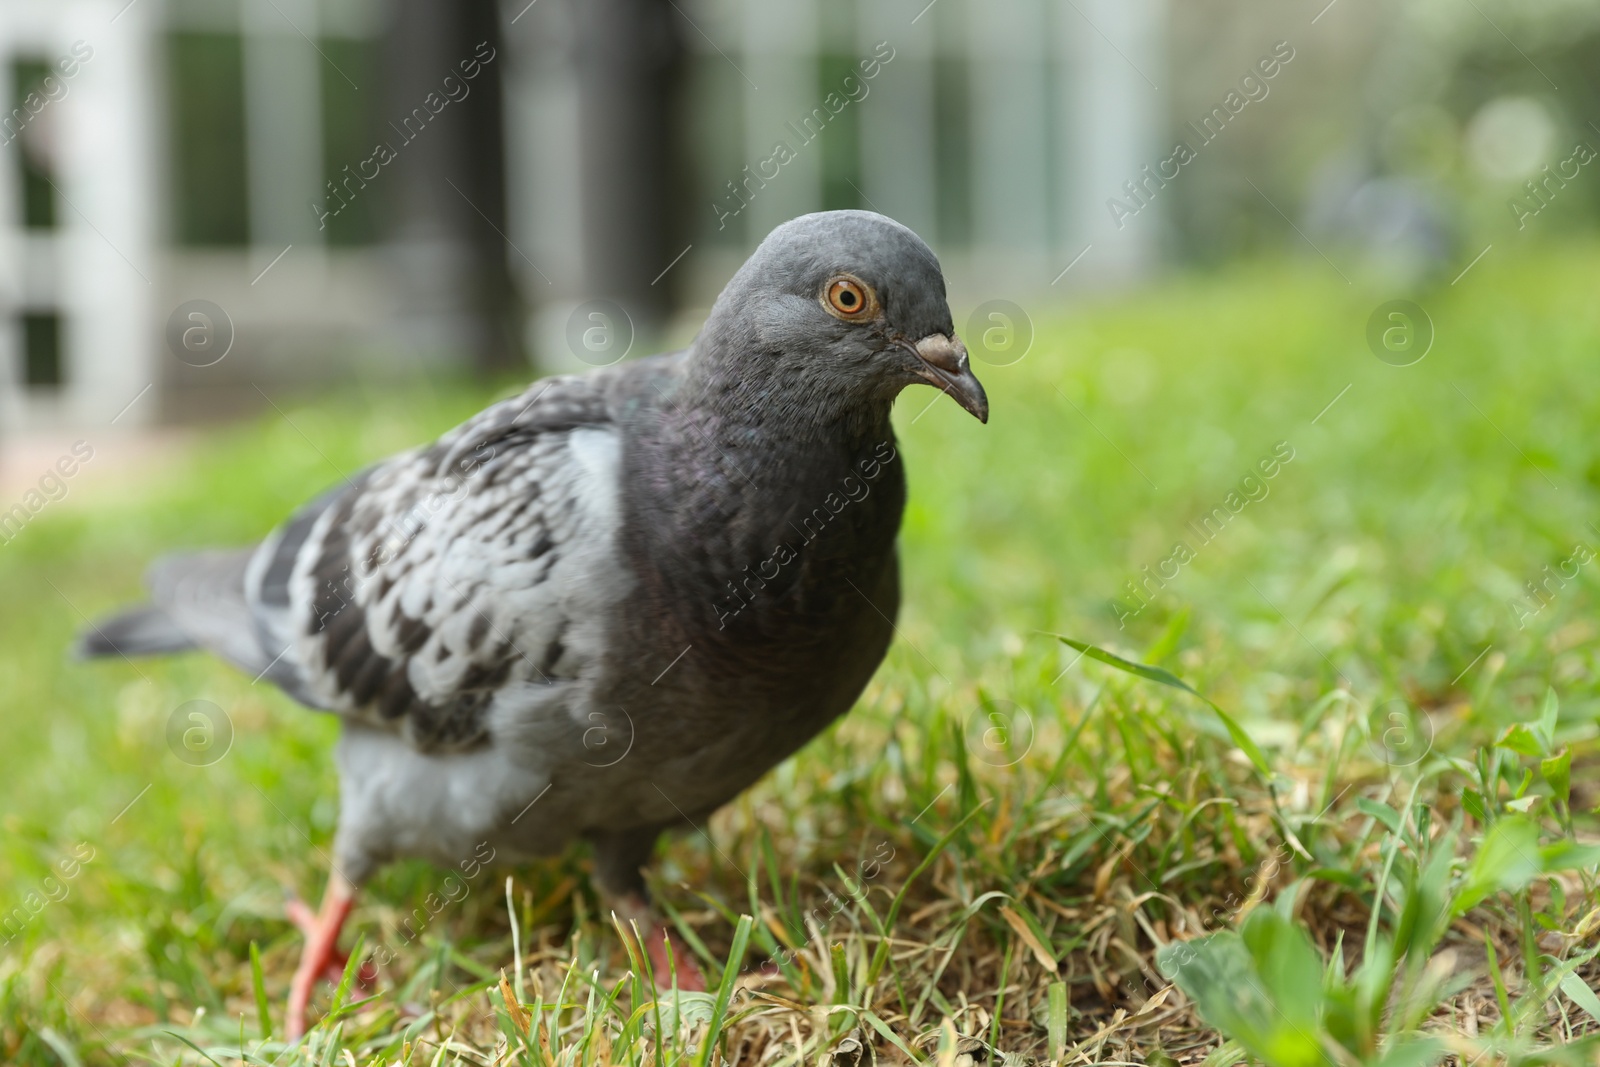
x: 850, y: 298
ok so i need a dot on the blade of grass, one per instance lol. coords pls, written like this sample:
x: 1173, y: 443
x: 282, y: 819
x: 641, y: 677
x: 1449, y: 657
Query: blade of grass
x: 1056, y: 1020
x: 690, y: 938
x: 882, y: 954
x: 260, y: 985
x: 643, y: 981
x: 1027, y: 928
x: 889, y: 1035
x: 1000, y: 994
x: 516, y: 946
x: 169, y: 1033
x: 63, y: 1048
x: 351, y: 965
x: 1581, y: 995
x: 1499, y: 986
x: 858, y: 893
x: 730, y: 976
x: 1156, y: 674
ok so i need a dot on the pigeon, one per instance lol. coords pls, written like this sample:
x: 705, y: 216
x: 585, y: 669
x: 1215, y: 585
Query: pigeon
x: 600, y: 609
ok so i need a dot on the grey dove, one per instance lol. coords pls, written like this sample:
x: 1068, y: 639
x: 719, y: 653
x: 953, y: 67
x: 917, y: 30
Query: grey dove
x: 604, y: 607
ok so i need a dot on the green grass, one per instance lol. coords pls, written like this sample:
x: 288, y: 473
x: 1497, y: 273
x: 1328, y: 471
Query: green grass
x: 1026, y: 843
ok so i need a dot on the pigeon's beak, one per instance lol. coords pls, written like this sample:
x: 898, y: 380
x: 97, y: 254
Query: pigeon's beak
x: 942, y: 362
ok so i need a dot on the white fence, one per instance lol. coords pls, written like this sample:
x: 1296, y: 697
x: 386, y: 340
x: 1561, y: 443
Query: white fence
x: 1057, y: 102
x: 87, y: 283
x: 996, y: 128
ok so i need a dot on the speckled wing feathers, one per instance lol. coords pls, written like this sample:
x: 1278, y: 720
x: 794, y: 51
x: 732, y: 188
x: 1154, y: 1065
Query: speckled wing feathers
x: 412, y: 596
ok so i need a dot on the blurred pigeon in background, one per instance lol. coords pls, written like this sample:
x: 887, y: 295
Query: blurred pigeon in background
x: 602, y: 608
x: 1402, y: 231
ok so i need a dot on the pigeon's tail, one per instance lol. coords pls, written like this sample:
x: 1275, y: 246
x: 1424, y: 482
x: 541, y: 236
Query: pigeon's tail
x: 142, y: 631
x: 199, y: 602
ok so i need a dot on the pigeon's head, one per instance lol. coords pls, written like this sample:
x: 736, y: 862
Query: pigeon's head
x: 849, y: 305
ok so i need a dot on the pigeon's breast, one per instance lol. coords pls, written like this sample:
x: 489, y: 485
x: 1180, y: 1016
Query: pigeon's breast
x: 743, y: 638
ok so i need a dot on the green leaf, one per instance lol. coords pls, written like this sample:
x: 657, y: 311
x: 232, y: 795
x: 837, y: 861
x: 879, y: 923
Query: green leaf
x: 1557, y: 770
x: 1288, y: 964
x: 1261, y: 987
x: 1495, y: 975
x: 1426, y: 912
x: 1548, y: 714
x: 841, y: 972
x: 1508, y: 859
x: 1521, y: 738
x: 1156, y: 674
x: 1581, y: 995
x: 1568, y: 856
x: 1538, y: 738
x: 1338, y: 876
x: 1527, y: 805
x: 1414, y: 1051
x: 1382, y: 812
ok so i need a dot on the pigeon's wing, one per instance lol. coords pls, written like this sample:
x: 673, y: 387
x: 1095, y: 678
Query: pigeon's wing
x: 413, y: 595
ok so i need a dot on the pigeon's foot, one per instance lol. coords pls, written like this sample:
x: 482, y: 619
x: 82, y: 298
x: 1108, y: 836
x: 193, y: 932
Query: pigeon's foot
x: 681, y: 964
x: 295, y: 910
x: 321, y: 956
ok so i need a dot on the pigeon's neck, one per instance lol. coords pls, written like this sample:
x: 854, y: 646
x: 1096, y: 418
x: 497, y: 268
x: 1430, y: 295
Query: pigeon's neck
x: 768, y: 433
x: 767, y: 447
x: 782, y: 409
x: 737, y: 487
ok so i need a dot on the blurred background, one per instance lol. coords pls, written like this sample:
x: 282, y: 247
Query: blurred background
x: 248, y: 247
x: 321, y: 190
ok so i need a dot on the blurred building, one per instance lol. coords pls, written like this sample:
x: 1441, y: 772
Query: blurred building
x: 78, y: 193
x: 204, y: 202
x: 994, y: 128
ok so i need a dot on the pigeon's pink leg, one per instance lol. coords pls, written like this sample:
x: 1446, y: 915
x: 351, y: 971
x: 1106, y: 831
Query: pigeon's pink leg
x: 321, y: 957
x: 295, y: 911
